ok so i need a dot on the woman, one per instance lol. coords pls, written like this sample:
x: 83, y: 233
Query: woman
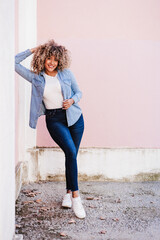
x: 55, y: 94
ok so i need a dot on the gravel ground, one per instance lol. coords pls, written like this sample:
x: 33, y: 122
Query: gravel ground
x: 114, y: 211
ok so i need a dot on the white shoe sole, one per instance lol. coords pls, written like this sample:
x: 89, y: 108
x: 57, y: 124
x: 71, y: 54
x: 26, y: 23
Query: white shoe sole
x: 66, y: 206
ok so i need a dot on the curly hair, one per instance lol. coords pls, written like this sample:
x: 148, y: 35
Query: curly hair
x: 51, y: 48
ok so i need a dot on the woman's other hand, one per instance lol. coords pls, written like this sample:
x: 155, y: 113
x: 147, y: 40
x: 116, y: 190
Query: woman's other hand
x: 67, y: 103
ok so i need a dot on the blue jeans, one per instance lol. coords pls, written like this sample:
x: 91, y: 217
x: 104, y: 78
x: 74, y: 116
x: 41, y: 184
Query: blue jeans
x: 68, y: 139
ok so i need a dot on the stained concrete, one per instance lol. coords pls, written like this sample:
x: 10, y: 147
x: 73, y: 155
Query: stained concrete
x: 116, y: 164
x: 117, y: 211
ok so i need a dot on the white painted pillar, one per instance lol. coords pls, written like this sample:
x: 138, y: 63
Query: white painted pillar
x: 7, y: 120
x: 27, y: 38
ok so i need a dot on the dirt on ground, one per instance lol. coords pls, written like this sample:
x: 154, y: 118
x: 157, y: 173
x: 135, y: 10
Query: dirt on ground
x: 114, y: 211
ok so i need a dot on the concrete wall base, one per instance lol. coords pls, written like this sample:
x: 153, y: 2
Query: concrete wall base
x: 18, y: 178
x: 94, y: 164
x: 18, y: 237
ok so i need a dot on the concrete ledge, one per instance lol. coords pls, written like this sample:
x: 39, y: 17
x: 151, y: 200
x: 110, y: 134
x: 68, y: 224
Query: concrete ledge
x: 100, y: 164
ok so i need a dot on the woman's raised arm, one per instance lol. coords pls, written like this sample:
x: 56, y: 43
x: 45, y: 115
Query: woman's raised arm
x: 20, y: 69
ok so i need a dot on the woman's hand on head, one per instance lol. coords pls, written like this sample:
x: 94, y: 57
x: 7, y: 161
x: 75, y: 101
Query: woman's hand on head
x: 33, y: 49
x: 67, y: 103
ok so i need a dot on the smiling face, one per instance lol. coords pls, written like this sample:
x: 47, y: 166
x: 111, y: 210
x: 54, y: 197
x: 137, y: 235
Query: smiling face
x: 50, y: 65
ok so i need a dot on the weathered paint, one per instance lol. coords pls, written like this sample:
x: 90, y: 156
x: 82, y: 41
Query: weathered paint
x: 96, y: 164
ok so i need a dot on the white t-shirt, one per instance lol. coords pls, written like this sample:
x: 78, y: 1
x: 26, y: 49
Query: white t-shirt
x: 52, y: 96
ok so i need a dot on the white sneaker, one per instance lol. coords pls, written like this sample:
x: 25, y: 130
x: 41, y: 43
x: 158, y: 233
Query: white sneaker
x: 67, y: 201
x: 78, y: 207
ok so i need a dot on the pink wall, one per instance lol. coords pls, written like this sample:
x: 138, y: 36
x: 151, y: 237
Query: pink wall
x: 115, y: 57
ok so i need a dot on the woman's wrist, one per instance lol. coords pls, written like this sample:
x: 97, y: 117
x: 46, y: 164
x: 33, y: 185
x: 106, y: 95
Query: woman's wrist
x: 31, y: 49
x: 72, y: 100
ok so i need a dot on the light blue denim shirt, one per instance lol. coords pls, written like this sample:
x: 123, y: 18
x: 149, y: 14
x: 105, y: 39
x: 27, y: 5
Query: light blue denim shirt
x: 69, y: 89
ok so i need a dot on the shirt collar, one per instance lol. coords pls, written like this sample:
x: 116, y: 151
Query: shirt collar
x: 43, y: 72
